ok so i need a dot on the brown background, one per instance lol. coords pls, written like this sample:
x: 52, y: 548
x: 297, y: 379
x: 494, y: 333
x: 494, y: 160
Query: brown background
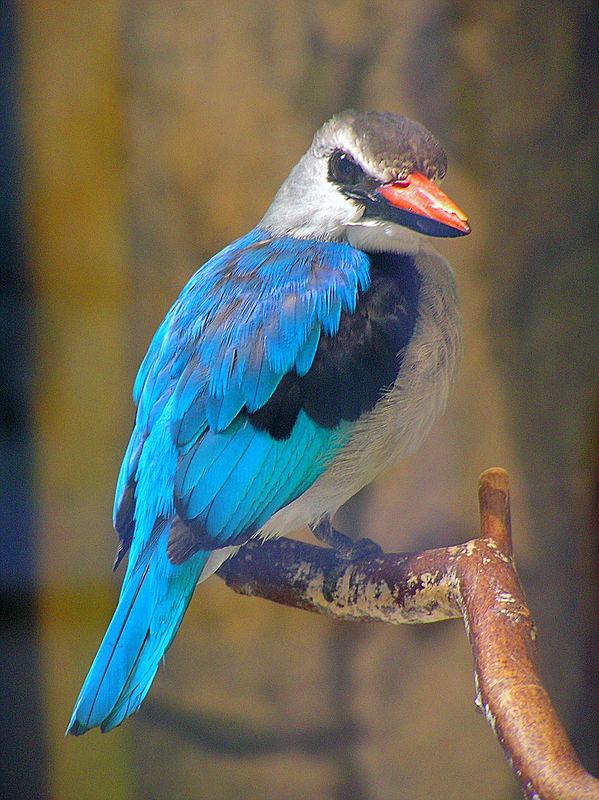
x: 155, y: 132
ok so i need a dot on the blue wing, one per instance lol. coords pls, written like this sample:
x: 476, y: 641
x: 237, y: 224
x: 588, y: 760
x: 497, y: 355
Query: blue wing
x: 252, y: 315
x: 249, y: 388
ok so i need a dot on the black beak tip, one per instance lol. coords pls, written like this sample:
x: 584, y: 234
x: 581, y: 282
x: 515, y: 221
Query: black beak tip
x: 431, y: 227
x: 377, y: 208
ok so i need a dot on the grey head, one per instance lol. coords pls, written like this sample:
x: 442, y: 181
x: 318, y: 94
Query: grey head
x: 362, y: 181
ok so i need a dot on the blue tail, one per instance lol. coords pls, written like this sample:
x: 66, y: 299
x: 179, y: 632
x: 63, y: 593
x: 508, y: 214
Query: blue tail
x: 154, y: 597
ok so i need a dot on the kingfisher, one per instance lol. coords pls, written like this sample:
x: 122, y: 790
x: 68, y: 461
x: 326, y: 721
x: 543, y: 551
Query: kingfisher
x: 295, y: 365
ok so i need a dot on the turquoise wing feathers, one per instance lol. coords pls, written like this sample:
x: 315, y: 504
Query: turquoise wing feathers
x: 209, y: 461
x: 252, y: 314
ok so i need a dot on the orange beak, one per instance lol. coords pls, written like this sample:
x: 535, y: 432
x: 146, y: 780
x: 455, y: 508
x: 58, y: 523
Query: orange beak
x: 426, y: 208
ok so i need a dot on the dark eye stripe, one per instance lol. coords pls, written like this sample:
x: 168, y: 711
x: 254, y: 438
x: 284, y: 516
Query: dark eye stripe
x: 344, y: 170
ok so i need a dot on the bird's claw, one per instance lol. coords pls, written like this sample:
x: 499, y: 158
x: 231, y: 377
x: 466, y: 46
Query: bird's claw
x: 345, y: 547
x: 349, y: 553
x: 363, y: 549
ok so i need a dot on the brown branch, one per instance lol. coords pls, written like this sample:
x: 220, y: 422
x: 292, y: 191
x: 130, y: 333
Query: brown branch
x: 476, y: 581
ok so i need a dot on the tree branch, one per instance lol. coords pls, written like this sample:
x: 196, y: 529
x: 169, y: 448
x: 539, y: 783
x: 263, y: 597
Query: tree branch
x: 476, y: 581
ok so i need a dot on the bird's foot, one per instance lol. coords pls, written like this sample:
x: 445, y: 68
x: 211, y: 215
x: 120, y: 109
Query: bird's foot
x: 348, y: 550
x: 345, y: 547
x: 364, y: 549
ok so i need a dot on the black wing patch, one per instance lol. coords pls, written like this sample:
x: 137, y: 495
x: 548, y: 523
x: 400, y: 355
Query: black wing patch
x: 350, y: 372
x: 352, y: 369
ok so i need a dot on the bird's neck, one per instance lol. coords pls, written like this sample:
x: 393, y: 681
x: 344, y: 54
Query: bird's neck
x: 370, y: 236
x: 373, y: 236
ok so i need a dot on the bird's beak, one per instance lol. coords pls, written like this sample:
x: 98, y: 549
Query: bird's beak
x: 422, y: 206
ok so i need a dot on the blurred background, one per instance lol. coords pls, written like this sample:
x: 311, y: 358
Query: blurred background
x: 139, y: 137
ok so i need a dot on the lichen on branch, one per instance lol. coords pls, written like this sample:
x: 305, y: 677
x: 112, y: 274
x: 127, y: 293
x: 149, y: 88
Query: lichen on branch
x: 476, y: 581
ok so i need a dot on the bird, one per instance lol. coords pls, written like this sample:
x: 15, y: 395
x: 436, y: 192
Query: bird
x: 296, y: 364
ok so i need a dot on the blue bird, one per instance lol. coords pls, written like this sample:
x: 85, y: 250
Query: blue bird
x: 295, y: 365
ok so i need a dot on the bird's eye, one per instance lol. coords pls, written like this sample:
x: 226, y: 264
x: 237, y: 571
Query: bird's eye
x: 343, y: 169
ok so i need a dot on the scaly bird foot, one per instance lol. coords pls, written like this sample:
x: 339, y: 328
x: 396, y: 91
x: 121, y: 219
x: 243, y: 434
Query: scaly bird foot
x: 342, y: 544
x: 346, y: 548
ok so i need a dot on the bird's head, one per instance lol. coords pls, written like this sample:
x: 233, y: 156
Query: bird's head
x: 369, y: 179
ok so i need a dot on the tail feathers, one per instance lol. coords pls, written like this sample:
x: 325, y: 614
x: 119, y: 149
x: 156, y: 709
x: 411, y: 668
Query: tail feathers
x: 153, y: 600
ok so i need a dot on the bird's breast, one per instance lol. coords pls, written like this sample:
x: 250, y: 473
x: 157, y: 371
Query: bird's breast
x: 405, y: 410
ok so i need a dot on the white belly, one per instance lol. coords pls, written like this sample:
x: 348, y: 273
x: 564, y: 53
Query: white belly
x: 401, y: 420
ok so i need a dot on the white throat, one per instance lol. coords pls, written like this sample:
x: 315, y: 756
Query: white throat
x: 376, y: 236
